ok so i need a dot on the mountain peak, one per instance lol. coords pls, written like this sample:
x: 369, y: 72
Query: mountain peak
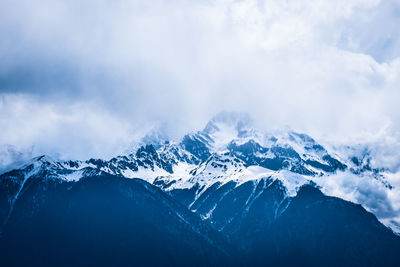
x: 228, y: 120
x: 225, y: 127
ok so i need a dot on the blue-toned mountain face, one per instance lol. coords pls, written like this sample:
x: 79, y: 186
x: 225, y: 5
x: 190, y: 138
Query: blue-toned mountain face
x: 106, y: 220
x: 226, y: 195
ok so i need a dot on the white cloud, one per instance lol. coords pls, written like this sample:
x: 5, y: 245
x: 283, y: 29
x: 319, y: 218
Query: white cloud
x: 371, y: 193
x: 74, y: 131
x: 322, y: 67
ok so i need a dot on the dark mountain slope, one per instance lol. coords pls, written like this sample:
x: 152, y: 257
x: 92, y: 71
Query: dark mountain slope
x: 316, y: 230
x: 310, y: 229
x: 106, y: 220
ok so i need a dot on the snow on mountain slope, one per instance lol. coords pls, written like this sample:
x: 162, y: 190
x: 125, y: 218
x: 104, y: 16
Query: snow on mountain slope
x: 230, y: 151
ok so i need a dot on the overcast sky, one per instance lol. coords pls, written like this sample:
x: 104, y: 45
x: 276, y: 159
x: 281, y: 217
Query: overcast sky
x: 83, y: 79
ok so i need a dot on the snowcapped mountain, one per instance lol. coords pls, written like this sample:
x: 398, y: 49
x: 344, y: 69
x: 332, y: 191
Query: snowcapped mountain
x: 229, y: 149
x: 238, y: 180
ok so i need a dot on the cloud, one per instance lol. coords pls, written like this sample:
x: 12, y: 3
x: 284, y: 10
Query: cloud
x: 91, y: 74
x: 371, y: 193
x: 82, y: 79
x: 66, y: 132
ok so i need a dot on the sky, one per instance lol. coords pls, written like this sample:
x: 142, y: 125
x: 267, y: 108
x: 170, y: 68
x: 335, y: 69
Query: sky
x: 82, y: 79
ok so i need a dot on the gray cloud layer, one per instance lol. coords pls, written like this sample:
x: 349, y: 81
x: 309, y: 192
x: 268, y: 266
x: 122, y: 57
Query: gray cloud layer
x: 85, y: 78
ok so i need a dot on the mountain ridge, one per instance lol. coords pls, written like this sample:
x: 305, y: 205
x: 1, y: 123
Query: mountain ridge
x: 229, y: 148
x: 234, y: 198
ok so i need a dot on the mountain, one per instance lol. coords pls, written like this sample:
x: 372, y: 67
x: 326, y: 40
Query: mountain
x: 317, y: 230
x: 229, y: 194
x: 105, y: 219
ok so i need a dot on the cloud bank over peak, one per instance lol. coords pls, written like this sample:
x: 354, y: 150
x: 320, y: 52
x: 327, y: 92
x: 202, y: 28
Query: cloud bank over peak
x: 84, y: 79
